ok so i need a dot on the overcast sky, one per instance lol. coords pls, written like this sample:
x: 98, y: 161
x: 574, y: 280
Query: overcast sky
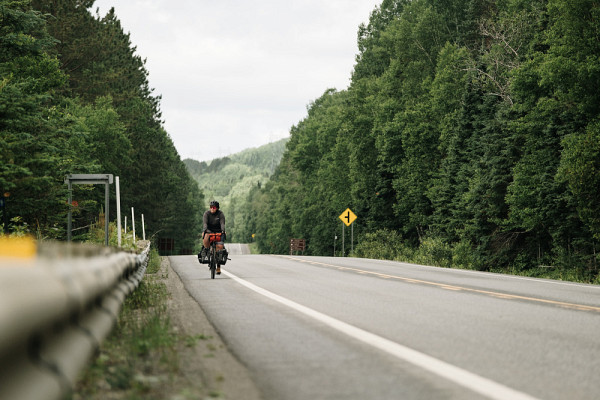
x: 236, y: 74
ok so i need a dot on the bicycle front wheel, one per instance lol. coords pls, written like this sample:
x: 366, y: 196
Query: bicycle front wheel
x: 212, y: 263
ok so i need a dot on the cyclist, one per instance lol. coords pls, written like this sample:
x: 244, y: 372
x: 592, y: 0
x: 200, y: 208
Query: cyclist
x: 214, y: 222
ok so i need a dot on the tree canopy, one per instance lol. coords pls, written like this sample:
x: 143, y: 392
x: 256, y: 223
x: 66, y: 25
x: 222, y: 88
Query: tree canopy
x: 75, y: 98
x: 469, y: 127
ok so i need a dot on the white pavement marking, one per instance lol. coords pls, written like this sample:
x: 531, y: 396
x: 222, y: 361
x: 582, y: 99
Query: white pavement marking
x: 469, y: 380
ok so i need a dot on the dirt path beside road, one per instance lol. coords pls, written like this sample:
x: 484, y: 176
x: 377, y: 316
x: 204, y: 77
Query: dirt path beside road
x: 205, y: 364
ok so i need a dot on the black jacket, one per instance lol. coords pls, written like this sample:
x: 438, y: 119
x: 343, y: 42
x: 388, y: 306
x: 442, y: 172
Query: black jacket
x: 214, y: 222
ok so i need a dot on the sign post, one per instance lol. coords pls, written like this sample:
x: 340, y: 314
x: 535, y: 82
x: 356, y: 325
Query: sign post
x: 91, y: 179
x: 334, y: 240
x: 118, y: 189
x: 3, y: 201
x: 348, y: 217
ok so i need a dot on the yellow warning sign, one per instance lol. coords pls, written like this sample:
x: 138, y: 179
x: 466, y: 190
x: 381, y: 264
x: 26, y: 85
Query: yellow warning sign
x: 348, y: 217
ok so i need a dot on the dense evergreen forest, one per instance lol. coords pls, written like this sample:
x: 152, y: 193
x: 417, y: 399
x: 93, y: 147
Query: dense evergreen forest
x: 75, y: 98
x: 469, y: 136
x: 230, y: 179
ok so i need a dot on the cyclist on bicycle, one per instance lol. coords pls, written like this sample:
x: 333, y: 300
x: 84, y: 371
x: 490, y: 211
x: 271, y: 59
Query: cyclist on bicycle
x: 214, y: 222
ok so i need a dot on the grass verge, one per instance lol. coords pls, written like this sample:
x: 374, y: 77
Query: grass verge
x: 139, y: 359
x: 253, y: 248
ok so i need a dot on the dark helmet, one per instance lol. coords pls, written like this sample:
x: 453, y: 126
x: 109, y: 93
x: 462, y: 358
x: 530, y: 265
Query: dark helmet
x: 214, y: 203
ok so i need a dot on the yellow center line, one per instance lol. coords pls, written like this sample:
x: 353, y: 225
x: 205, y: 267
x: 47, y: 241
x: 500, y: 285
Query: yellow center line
x: 580, y: 307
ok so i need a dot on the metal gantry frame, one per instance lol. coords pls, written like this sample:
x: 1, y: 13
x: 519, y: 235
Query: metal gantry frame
x: 89, y: 179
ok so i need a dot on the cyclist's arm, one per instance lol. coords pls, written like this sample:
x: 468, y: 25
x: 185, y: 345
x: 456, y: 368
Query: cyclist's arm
x: 205, y: 223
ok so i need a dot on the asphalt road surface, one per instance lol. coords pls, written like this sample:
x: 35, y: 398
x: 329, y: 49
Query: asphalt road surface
x: 346, y: 328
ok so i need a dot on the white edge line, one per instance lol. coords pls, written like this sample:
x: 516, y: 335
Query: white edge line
x: 467, y: 379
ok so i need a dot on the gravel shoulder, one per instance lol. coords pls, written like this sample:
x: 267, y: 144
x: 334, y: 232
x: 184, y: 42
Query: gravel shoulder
x: 206, y: 365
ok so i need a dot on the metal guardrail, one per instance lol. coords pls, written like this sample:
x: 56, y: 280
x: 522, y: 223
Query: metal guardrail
x: 55, y: 310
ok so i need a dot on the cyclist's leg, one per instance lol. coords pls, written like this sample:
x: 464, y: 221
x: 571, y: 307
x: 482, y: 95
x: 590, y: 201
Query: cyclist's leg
x: 206, y: 240
x: 205, y: 246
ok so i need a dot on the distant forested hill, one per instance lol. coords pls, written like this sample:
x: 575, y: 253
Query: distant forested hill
x: 230, y: 179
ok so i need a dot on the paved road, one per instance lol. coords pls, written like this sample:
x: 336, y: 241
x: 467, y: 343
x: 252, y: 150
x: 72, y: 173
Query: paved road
x: 237, y: 248
x: 343, y: 328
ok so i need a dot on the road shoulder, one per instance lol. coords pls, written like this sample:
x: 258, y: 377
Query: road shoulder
x: 206, y: 361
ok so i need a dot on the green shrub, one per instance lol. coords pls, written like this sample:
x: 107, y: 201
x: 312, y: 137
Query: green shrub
x: 463, y: 255
x: 154, y: 261
x: 434, y: 251
x: 383, y: 245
